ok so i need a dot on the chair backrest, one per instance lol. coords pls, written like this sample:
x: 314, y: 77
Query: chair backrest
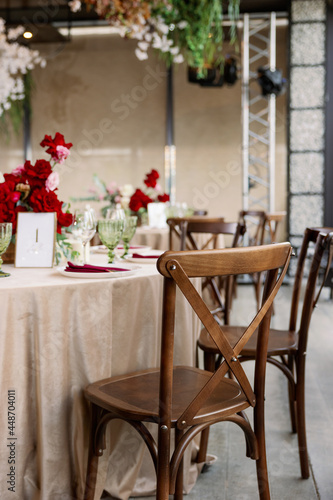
x: 177, y: 269
x: 272, y: 222
x: 322, y: 238
x: 255, y: 224
x: 178, y: 230
x: 262, y: 226
x: 202, y: 234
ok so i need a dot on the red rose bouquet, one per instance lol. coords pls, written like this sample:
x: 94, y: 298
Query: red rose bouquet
x: 140, y: 199
x: 32, y: 188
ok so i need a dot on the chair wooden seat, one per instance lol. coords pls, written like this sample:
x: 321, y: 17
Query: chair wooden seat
x: 280, y: 342
x: 136, y: 395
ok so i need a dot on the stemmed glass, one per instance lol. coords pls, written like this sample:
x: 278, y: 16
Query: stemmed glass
x: 5, y: 237
x: 115, y: 213
x: 128, y: 233
x: 84, y: 227
x: 110, y: 232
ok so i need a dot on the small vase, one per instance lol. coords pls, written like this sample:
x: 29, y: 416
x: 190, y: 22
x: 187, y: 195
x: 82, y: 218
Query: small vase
x: 9, y: 256
x: 142, y: 218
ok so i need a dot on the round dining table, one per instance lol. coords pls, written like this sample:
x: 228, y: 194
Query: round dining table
x: 57, y: 335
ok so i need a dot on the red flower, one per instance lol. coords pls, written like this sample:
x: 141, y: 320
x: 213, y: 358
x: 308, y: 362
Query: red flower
x: 37, y: 174
x: 139, y: 200
x: 11, y: 180
x: 8, y: 208
x: 151, y: 178
x: 64, y: 219
x: 163, y: 198
x: 42, y: 200
x: 52, y: 144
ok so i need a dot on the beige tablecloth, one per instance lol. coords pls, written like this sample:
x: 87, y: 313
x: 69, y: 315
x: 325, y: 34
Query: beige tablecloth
x: 157, y: 238
x: 57, y: 334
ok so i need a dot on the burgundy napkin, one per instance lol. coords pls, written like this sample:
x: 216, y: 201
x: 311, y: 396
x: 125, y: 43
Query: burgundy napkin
x: 141, y: 256
x: 87, y: 268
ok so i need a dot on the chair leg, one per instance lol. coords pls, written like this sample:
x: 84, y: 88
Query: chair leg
x: 209, y: 365
x: 180, y: 475
x: 92, y: 466
x: 300, y: 419
x: 292, y: 401
x: 261, y: 463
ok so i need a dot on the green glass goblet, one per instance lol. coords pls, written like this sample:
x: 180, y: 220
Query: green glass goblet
x: 110, y: 232
x: 5, y: 237
x: 128, y: 233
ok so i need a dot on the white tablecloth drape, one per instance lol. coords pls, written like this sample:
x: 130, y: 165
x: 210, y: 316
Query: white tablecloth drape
x: 57, y: 334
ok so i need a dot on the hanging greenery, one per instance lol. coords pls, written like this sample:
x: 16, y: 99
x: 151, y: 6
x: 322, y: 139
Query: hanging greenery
x: 179, y: 30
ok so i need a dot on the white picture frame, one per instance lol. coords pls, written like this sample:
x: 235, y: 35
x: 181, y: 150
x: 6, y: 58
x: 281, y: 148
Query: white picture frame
x: 35, y: 239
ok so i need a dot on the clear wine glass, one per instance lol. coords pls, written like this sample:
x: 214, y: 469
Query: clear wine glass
x: 84, y: 227
x: 110, y: 232
x: 5, y: 237
x: 128, y: 232
x: 115, y: 213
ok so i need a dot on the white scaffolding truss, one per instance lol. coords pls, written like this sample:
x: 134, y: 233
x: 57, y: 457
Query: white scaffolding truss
x: 258, y: 114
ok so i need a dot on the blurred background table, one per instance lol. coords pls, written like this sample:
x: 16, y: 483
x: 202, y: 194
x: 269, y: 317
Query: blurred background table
x: 157, y: 238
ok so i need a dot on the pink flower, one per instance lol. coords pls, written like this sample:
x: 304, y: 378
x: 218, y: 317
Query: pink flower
x: 18, y: 170
x: 111, y: 188
x: 15, y: 196
x: 52, y: 182
x: 117, y: 199
x: 62, y: 153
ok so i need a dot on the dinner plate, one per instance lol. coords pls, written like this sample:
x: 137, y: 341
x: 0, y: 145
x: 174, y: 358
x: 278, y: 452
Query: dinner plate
x: 117, y: 274
x: 142, y: 260
x: 120, y: 248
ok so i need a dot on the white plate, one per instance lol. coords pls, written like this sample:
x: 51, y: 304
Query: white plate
x: 135, y: 248
x: 120, y: 248
x: 117, y: 274
x: 142, y: 260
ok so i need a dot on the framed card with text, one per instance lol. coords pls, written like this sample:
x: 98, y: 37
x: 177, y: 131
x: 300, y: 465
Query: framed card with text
x: 35, y: 239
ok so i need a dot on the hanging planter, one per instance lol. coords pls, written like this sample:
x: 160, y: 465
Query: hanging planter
x: 213, y: 77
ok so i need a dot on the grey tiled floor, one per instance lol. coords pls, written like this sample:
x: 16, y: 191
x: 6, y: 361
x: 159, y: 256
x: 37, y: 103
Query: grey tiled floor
x: 233, y: 475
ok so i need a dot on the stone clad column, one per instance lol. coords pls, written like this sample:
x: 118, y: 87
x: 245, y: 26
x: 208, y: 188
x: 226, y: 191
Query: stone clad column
x: 306, y: 116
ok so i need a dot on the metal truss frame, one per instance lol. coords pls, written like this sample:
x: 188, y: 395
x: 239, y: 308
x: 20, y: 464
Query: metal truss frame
x: 258, y: 114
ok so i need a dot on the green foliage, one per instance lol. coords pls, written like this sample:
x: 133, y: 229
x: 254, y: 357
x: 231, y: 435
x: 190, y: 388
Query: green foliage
x: 201, y: 40
x: 64, y: 249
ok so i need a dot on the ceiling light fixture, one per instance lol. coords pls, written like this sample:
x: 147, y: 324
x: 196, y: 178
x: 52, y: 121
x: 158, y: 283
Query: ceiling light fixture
x: 27, y: 35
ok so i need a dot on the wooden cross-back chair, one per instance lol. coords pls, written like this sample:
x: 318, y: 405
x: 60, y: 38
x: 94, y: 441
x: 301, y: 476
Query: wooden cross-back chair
x: 185, y: 398
x: 261, y: 229
x: 286, y: 348
x: 178, y: 231
x: 220, y: 288
x: 210, y: 230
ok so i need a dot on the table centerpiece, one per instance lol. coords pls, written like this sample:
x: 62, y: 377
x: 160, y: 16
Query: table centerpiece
x: 32, y: 188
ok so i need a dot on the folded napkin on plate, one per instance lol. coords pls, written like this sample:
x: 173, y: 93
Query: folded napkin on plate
x: 142, y: 256
x: 87, y: 268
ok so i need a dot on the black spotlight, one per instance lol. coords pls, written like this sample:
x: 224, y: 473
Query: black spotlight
x: 230, y: 71
x: 271, y: 82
